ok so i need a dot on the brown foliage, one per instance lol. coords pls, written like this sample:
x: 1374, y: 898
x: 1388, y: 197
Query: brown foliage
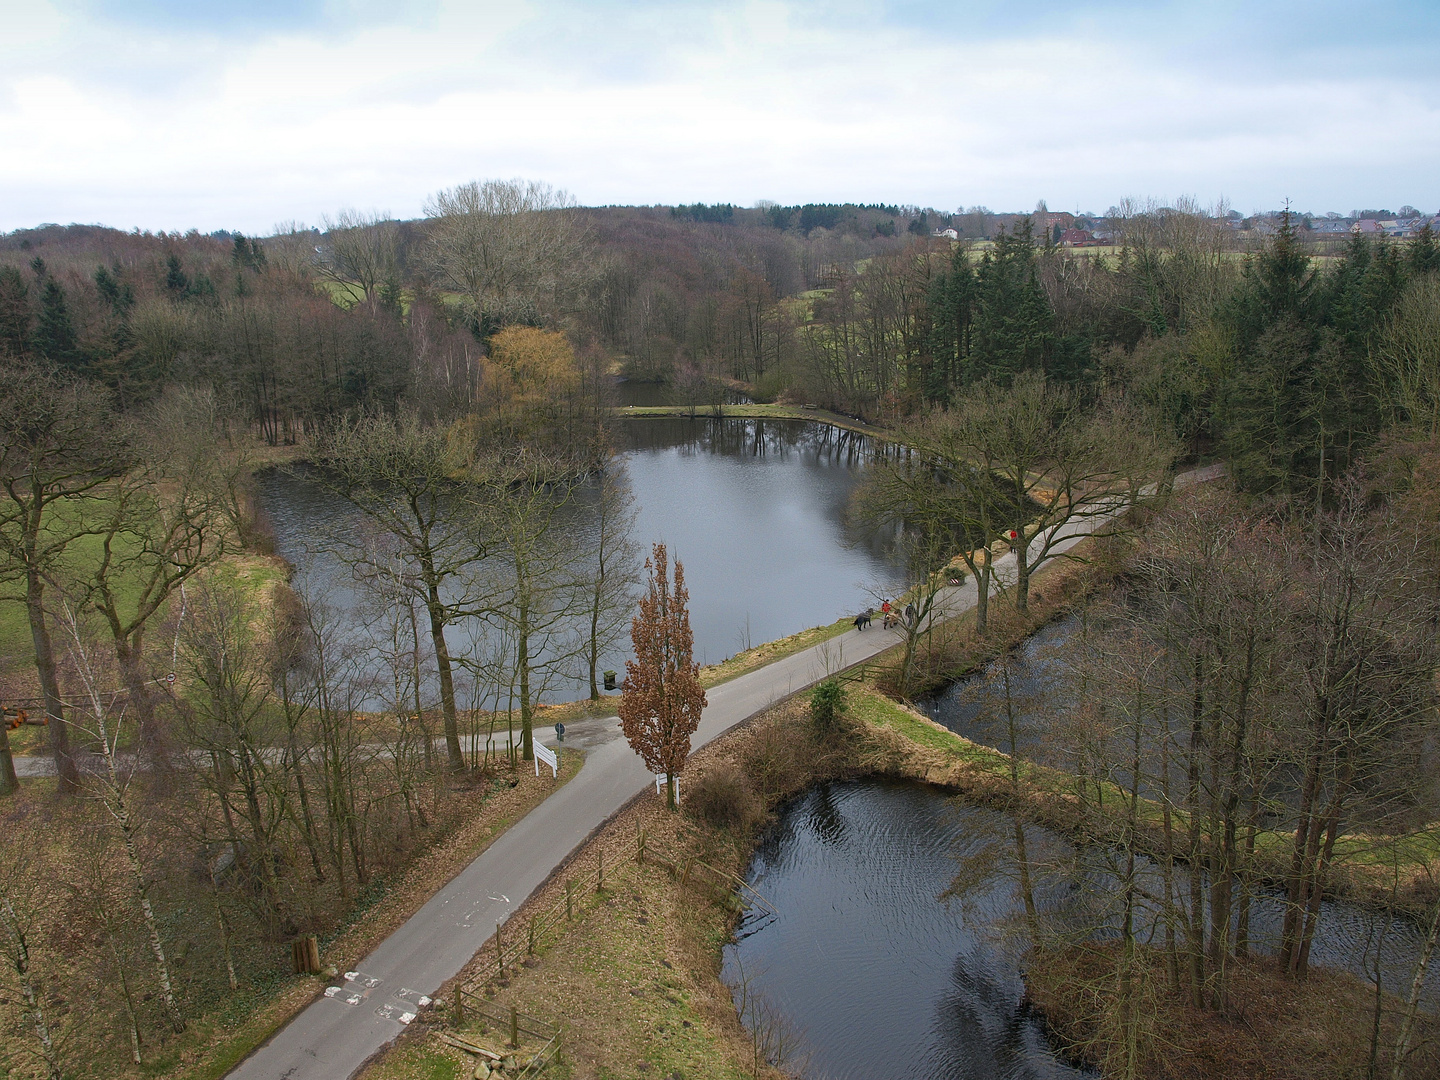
x: 662, y: 697
x: 723, y: 799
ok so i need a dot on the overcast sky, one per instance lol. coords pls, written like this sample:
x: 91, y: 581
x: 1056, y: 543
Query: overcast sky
x: 173, y: 114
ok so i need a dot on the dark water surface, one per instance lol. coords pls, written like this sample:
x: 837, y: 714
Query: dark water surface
x: 877, y: 975
x: 754, y: 508
x: 975, y: 708
x: 872, y: 975
x: 756, y: 511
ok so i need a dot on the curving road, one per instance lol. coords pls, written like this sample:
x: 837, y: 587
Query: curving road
x: 334, y: 1036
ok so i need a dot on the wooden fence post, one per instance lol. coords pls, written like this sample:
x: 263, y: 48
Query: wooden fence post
x: 531, y: 948
x: 499, y: 951
x: 514, y: 1027
x: 305, y: 955
x: 569, y: 898
x: 459, y: 1005
x: 600, y: 875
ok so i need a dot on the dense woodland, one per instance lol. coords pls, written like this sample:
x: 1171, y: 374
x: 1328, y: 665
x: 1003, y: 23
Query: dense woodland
x: 1267, y: 669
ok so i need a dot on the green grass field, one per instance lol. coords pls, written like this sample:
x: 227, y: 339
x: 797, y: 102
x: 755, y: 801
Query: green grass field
x: 78, y: 567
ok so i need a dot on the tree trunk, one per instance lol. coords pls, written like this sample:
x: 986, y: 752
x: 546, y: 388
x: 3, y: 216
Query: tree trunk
x: 1195, y: 923
x: 126, y: 994
x: 152, y: 925
x: 9, y: 782
x: 1295, y: 898
x: 594, y: 657
x: 28, y: 992
x: 129, y: 657
x: 225, y: 939
x: 447, y: 682
x: 1021, y: 547
x: 419, y: 707
x: 1317, y: 883
x: 522, y: 667
x: 65, y: 767
x: 982, y: 595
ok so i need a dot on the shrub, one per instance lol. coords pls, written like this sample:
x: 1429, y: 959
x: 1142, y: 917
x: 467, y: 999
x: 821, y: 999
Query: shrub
x: 774, y: 762
x: 827, y: 705
x: 721, y: 798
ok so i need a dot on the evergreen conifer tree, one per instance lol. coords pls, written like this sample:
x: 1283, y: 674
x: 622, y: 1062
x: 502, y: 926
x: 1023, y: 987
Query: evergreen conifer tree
x: 176, y: 280
x: 54, y: 331
x: 120, y: 297
x: 1013, y: 322
x: 14, y: 313
x: 1424, y: 254
x: 951, y: 304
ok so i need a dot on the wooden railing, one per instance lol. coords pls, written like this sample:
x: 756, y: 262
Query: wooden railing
x: 514, y: 943
x: 508, y: 1024
x: 695, y: 873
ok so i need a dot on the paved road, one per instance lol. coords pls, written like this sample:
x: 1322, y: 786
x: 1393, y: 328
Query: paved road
x: 330, y: 1039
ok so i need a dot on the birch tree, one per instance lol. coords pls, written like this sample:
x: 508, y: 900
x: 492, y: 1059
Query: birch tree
x: 111, y: 789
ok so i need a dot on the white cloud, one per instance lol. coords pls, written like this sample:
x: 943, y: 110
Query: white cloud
x: 112, y: 123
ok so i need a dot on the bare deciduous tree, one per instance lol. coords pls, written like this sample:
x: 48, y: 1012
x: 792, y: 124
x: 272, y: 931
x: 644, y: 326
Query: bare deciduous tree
x: 58, y: 448
x: 111, y: 789
x: 614, y: 569
x: 360, y: 253
x: 405, y: 477
x: 514, y: 249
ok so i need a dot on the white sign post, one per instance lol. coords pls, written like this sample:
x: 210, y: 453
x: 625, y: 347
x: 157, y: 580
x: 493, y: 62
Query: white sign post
x: 660, y: 785
x: 549, y: 757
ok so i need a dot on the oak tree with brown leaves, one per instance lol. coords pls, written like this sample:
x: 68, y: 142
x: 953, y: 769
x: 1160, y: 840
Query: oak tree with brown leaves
x: 661, y: 697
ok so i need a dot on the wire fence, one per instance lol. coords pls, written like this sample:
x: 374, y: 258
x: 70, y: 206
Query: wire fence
x: 517, y: 942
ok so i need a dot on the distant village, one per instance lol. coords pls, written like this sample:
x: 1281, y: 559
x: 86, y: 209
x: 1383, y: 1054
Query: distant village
x: 1098, y: 230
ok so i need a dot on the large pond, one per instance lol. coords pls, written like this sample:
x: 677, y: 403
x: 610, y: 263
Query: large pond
x: 756, y: 510
x: 866, y: 970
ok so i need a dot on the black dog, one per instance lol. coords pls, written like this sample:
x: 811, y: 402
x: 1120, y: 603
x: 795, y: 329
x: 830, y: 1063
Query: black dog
x: 862, y: 620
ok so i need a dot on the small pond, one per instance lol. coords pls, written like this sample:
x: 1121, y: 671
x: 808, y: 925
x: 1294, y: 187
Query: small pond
x: 974, y: 707
x: 864, y: 971
x: 876, y: 975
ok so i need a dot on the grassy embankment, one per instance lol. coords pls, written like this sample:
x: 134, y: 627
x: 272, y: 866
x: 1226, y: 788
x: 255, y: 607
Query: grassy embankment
x: 752, y: 411
x: 259, y: 574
